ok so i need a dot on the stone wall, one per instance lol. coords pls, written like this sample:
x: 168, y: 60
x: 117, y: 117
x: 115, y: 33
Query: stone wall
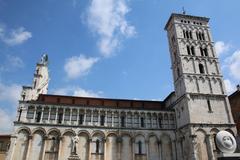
x: 50, y: 143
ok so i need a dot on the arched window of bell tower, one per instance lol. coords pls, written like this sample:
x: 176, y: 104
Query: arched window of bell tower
x: 188, y: 50
x: 193, y: 50
x: 201, y: 68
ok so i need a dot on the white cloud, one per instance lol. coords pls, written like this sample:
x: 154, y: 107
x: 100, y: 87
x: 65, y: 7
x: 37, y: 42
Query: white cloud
x: 233, y: 64
x: 15, y: 36
x: 107, y: 19
x: 10, y: 93
x: 9, y: 96
x: 229, y: 86
x: 11, y: 63
x: 221, y: 47
x: 77, y: 91
x: 6, y: 121
x: 78, y: 66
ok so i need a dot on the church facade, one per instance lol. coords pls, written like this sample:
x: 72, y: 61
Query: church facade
x: 181, y: 127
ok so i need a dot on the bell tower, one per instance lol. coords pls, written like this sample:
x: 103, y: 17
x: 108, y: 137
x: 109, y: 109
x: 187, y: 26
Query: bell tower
x: 40, y: 81
x: 201, y: 101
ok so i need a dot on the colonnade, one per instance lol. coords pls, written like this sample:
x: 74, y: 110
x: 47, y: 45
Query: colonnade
x: 99, y: 117
x: 98, y: 145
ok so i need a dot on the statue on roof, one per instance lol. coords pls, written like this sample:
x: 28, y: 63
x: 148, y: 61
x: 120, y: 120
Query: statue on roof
x: 44, y: 59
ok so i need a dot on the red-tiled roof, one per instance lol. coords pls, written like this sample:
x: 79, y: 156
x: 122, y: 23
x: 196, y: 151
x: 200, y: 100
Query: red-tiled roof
x: 101, y: 102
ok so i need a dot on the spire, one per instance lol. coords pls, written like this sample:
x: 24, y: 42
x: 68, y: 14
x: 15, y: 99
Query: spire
x: 183, y: 10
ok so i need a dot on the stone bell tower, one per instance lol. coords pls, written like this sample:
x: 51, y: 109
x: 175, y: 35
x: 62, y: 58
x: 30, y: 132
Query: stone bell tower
x: 40, y: 81
x: 202, y: 107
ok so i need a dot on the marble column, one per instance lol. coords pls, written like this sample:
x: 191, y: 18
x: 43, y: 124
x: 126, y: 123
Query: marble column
x: 209, y: 147
x: 194, y: 143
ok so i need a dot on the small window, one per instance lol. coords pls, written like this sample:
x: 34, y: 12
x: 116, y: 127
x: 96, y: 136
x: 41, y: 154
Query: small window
x: 80, y: 121
x: 190, y: 34
x: 160, y: 122
x: 203, y: 37
x: 60, y: 117
x: 201, y: 68
x: 38, y: 116
x: 184, y: 34
x: 209, y: 106
x: 187, y: 35
x: 142, y: 122
x: 102, y: 120
x: 188, y: 50
x: 205, y: 51
x: 201, y: 51
x: 122, y: 121
x: 97, y: 146
x: 139, y: 147
x: 192, y: 50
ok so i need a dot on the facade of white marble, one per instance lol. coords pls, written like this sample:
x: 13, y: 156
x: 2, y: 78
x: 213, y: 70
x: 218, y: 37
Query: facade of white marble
x: 182, y: 127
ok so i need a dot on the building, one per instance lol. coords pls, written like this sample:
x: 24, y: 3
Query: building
x: 4, y: 144
x: 234, y: 100
x: 183, y: 126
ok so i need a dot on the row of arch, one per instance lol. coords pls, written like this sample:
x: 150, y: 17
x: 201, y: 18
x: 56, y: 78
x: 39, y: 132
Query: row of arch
x: 99, y: 117
x: 53, y: 145
x: 204, y: 84
x: 200, y: 59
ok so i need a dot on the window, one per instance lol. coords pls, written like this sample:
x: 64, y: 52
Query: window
x: 201, y: 50
x: 122, y: 121
x: 160, y: 122
x: 205, y: 51
x: 142, y: 122
x: 201, y: 68
x: 38, y: 117
x: 60, y: 117
x: 209, y: 106
x: 97, y: 146
x: 190, y: 34
x: 3, y: 146
x: 80, y: 121
x: 187, y: 35
x: 184, y: 34
x: 67, y: 115
x: 188, y: 50
x: 192, y: 50
x: 45, y: 114
x: 102, y: 120
x: 139, y: 147
x: 200, y: 36
x: 30, y: 112
x: 53, y: 114
x: 74, y: 115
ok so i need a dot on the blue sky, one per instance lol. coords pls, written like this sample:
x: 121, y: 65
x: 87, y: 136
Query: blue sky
x: 103, y: 48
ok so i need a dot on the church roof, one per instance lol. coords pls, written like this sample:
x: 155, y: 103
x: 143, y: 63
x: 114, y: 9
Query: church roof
x: 100, y: 102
